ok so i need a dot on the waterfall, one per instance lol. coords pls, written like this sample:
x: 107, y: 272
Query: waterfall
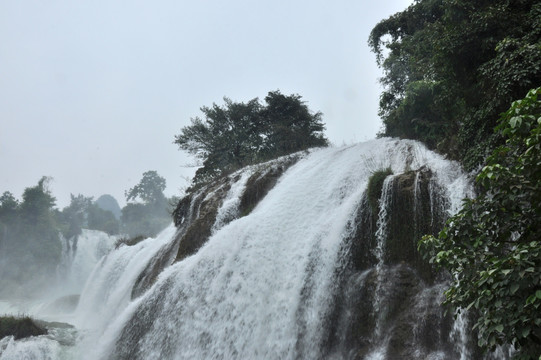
x: 263, y: 285
x: 79, y: 257
x: 310, y: 271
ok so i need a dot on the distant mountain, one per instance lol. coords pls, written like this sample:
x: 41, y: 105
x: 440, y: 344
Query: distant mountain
x: 108, y: 202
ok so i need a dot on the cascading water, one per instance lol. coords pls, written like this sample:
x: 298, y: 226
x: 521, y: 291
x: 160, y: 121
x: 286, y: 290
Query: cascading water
x: 263, y: 286
x: 80, y: 256
x: 308, y: 273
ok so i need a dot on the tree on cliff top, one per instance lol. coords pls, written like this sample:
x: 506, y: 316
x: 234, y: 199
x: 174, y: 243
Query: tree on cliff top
x: 238, y: 134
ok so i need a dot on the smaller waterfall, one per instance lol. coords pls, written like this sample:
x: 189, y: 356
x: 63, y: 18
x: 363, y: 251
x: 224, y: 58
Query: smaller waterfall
x: 108, y: 289
x: 80, y: 256
x: 379, y: 251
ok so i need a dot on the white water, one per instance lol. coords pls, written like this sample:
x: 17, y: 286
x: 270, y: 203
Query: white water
x: 381, y: 237
x: 81, y: 257
x: 74, y: 271
x: 261, y: 286
x: 108, y: 289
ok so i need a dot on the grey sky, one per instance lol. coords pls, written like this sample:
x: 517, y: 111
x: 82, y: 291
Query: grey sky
x: 93, y: 92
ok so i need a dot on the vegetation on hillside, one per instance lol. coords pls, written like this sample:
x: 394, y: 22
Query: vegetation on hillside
x: 451, y: 69
x: 30, y: 246
x: 238, y: 134
x: 452, y: 66
x: 32, y: 231
x: 492, y: 247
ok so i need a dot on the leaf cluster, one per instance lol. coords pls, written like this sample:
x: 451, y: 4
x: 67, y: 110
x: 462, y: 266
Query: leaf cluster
x: 492, y: 247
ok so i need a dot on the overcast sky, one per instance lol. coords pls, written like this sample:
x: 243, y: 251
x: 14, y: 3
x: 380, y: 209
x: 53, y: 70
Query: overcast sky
x: 93, y: 92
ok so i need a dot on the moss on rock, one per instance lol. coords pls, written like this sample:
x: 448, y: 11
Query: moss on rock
x: 375, y: 187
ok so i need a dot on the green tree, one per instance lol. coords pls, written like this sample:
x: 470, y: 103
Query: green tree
x: 9, y: 212
x: 238, y: 134
x: 149, y: 189
x: 8, y: 205
x: 38, y: 203
x: 289, y: 126
x: 152, y: 215
x: 492, y: 247
x: 31, y: 248
x: 75, y: 216
x: 452, y: 66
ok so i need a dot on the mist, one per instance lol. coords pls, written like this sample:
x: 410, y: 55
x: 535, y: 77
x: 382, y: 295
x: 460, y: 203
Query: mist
x: 93, y: 94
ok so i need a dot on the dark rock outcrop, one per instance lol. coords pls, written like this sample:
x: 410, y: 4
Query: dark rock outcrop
x: 261, y: 182
x: 20, y: 328
x: 388, y: 300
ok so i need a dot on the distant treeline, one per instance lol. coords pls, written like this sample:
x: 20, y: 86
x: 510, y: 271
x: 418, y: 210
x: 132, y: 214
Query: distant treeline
x: 32, y: 229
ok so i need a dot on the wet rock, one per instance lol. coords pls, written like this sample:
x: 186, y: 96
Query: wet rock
x: 262, y: 181
x: 197, y: 228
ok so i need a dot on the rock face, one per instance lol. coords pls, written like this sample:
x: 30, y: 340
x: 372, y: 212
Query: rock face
x: 109, y: 203
x: 196, y: 215
x: 389, y: 302
x: 389, y: 297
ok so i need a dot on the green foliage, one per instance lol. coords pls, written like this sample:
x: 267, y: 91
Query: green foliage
x: 8, y: 205
x: 452, y: 66
x: 149, y: 189
x: 238, y: 134
x: 75, y: 216
x: 492, y: 247
x: 81, y: 213
x: 375, y: 187
x: 102, y: 220
x: 30, y: 247
x: 38, y: 203
x: 19, y: 327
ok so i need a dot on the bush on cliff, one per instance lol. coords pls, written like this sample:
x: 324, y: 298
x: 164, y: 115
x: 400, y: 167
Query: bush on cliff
x: 492, y: 247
